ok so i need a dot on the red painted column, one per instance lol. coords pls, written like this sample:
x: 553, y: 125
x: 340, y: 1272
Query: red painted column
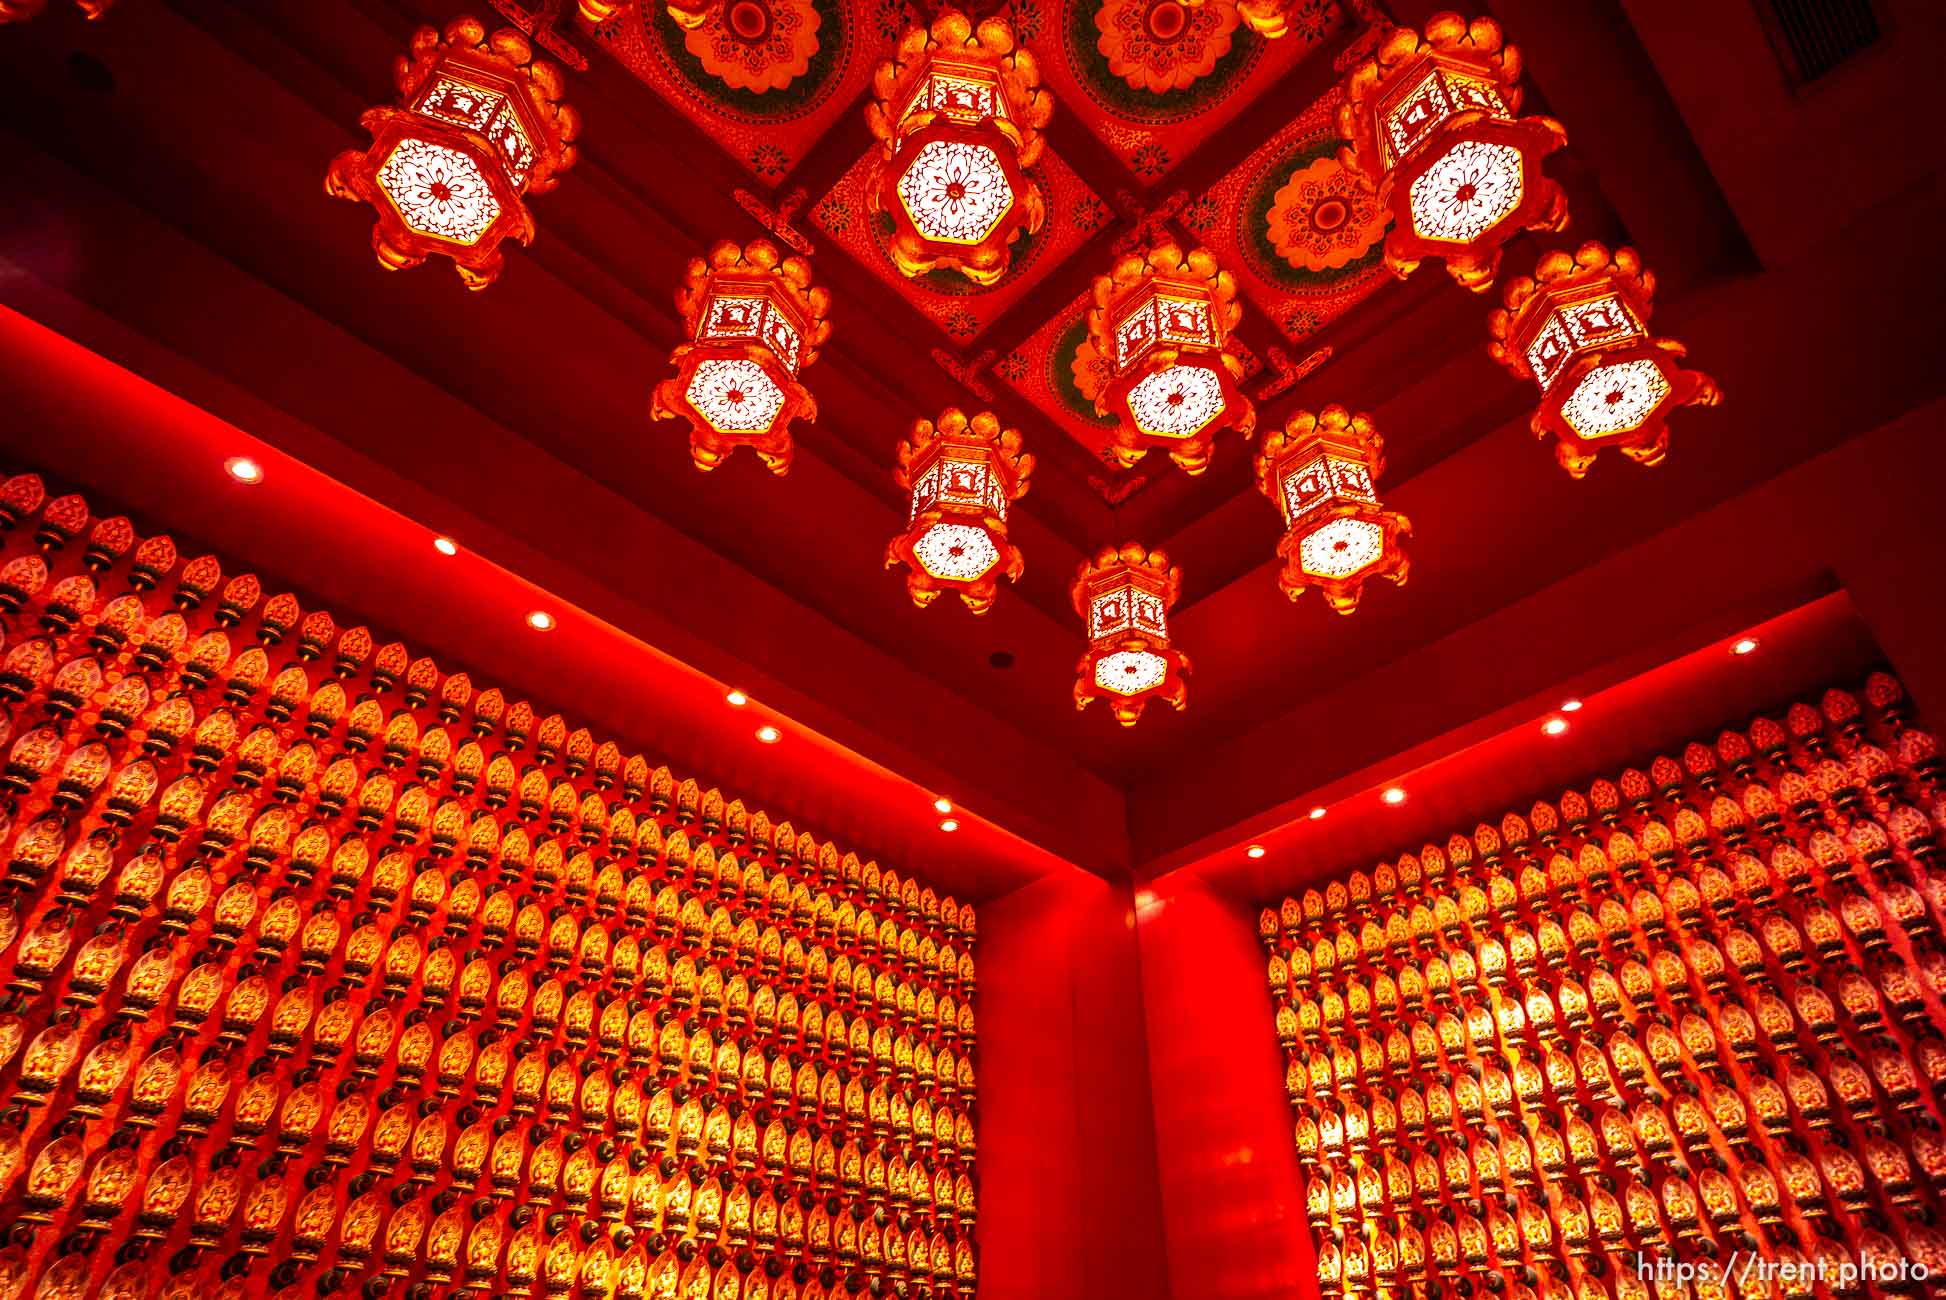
x: 1232, y: 1194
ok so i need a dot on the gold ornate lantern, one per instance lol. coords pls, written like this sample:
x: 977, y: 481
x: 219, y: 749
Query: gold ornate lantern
x: 958, y: 111
x: 755, y: 321
x: 1162, y: 320
x: 1320, y: 469
x: 1431, y: 126
x: 1579, y: 329
x: 1125, y: 596
x: 962, y: 474
x: 478, y: 127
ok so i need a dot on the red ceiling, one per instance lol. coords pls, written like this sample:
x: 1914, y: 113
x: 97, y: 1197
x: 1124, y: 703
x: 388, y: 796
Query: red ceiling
x: 175, y: 224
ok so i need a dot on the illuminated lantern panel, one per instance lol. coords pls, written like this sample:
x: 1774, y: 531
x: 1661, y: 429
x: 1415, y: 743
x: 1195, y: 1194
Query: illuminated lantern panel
x: 962, y: 473
x: 478, y: 127
x: 755, y: 320
x: 1578, y: 327
x: 1123, y: 597
x: 1320, y: 470
x: 1433, y: 129
x: 958, y: 112
x: 1162, y: 320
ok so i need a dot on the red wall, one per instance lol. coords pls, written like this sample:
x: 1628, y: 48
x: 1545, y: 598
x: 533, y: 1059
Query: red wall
x: 1070, y: 1207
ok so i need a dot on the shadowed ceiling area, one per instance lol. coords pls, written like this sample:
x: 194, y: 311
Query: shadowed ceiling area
x: 164, y: 209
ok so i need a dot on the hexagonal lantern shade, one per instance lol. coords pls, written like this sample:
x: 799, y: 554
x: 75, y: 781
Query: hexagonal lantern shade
x: 962, y: 473
x: 1162, y: 321
x: 1579, y: 329
x: 1432, y: 130
x: 1124, y: 596
x: 1320, y: 470
x: 479, y: 125
x: 958, y: 111
x: 755, y: 321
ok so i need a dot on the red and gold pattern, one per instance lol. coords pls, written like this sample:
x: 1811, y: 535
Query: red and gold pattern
x: 1693, y: 1011
x: 329, y: 974
x: 1124, y: 597
x: 480, y: 124
x: 754, y: 45
x: 1161, y: 45
x: 1162, y: 320
x: 1579, y: 328
x: 958, y: 111
x: 755, y: 321
x: 1432, y: 130
x: 1321, y: 471
x: 963, y: 474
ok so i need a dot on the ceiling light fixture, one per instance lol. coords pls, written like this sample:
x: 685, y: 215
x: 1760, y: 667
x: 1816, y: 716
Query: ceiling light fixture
x: 540, y: 620
x: 949, y: 825
x: 1571, y: 706
x: 1255, y: 851
x: 1394, y: 795
x: 1320, y: 469
x: 737, y: 698
x: 1123, y: 597
x: 962, y: 472
x: 769, y: 734
x: 942, y: 805
x: 1555, y: 726
x: 1317, y: 812
x: 244, y: 470
x: 1744, y: 645
x: 445, y: 546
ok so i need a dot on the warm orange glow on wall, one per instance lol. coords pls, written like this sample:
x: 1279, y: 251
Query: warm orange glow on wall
x: 480, y: 125
x: 1433, y: 130
x: 1321, y: 470
x: 963, y: 474
x: 755, y: 321
x: 1124, y: 596
x: 1161, y: 321
x: 958, y: 111
x: 1579, y: 328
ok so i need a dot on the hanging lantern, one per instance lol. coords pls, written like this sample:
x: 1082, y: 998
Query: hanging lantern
x: 1125, y: 596
x: 958, y: 111
x: 755, y: 320
x: 1162, y: 320
x: 1431, y: 126
x: 479, y: 125
x: 962, y: 474
x: 1579, y: 329
x: 1320, y: 470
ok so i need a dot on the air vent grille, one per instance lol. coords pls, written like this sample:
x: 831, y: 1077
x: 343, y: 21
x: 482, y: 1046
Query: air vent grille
x: 1815, y: 36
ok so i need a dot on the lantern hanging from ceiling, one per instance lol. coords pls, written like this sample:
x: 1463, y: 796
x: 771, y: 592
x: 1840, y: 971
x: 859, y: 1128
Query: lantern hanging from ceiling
x: 962, y: 473
x: 1321, y: 471
x: 1124, y: 596
x: 1161, y: 321
x: 1579, y: 329
x: 755, y: 321
x: 1431, y: 127
x: 958, y: 112
x: 479, y: 125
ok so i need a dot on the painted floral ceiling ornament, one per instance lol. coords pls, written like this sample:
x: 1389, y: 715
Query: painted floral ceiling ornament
x: 1163, y: 45
x: 1432, y: 129
x: 1162, y: 320
x: 1579, y: 328
x: 958, y: 111
x: 1324, y: 218
x: 754, y: 45
x: 480, y: 125
x: 755, y: 322
x: 1321, y: 472
x: 963, y: 473
x: 1124, y: 596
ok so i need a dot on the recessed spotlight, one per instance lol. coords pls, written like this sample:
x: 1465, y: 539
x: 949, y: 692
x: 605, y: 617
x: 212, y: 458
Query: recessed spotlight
x: 1317, y: 812
x: 445, y: 546
x: 1570, y: 706
x: 949, y: 825
x: 942, y: 805
x: 1555, y: 726
x: 244, y: 470
x: 1394, y: 794
x: 1254, y: 851
x: 737, y: 699
x: 540, y: 620
x: 769, y: 734
x: 1743, y: 645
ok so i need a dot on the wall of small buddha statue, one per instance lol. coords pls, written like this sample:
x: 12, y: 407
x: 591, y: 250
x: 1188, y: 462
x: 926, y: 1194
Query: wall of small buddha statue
x: 328, y: 972
x: 1679, y: 1035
